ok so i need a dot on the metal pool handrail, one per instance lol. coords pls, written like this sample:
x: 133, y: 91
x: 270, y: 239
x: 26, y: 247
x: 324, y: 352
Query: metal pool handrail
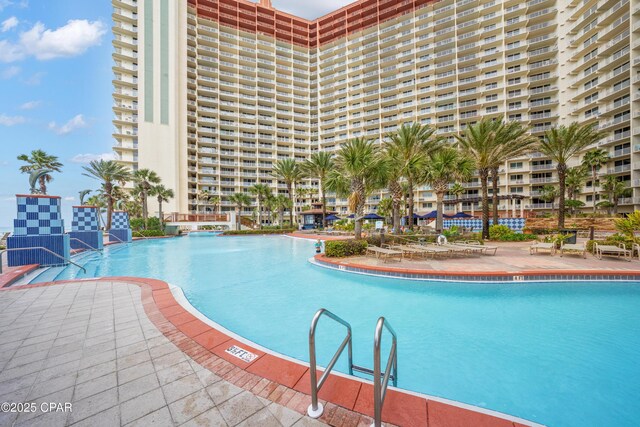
x: 315, y: 409
x: 87, y: 245
x: 42, y: 249
x: 380, y: 379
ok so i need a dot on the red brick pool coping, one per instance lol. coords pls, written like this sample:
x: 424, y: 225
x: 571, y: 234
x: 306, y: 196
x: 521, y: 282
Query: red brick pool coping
x: 348, y: 402
x: 415, y: 273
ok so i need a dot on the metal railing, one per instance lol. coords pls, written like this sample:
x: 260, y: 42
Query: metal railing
x: 315, y: 409
x: 140, y: 235
x: 381, y: 379
x: 41, y: 249
x: 91, y: 248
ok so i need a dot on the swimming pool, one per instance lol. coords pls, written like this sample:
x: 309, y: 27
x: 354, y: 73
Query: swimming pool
x: 561, y: 354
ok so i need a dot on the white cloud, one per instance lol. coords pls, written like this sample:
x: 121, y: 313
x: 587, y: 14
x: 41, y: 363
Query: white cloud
x: 88, y: 158
x: 6, y: 3
x: 10, y: 72
x: 76, y: 122
x: 8, y: 24
x: 72, y: 39
x: 30, y: 105
x: 11, y: 120
x: 309, y: 9
x: 35, y: 79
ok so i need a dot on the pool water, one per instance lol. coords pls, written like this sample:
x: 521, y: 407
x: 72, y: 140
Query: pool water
x: 561, y: 354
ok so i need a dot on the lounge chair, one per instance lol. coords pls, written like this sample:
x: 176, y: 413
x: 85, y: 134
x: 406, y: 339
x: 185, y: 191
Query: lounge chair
x: 462, y: 249
x: 579, y: 248
x: 610, y: 250
x: 475, y: 244
x: 3, y: 239
x: 636, y: 249
x: 432, y: 249
x: 551, y: 247
x: 384, y: 254
x: 408, y: 251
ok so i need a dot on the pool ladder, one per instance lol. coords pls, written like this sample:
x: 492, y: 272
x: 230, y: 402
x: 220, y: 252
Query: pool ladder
x: 380, y: 379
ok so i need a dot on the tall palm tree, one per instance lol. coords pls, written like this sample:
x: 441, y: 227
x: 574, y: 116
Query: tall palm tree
x: 562, y: 144
x: 318, y: 166
x: 408, y: 150
x: 549, y: 194
x: 145, y: 179
x: 445, y: 166
x: 261, y: 191
x: 109, y: 173
x: 575, y: 180
x: 40, y: 160
x: 280, y: 204
x: 241, y: 200
x: 614, y: 189
x: 162, y: 194
x: 457, y: 190
x: 489, y: 142
x: 359, y: 170
x: 288, y: 170
x: 594, y: 159
x: 395, y: 185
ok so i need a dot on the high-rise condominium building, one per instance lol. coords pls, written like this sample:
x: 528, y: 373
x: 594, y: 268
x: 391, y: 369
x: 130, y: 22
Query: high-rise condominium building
x: 211, y: 93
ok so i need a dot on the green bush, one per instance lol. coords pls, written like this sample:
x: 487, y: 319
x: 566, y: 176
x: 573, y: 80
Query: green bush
x: 136, y: 223
x: 344, y: 248
x: 148, y: 233
x: 250, y: 232
x: 153, y: 223
x: 499, y: 231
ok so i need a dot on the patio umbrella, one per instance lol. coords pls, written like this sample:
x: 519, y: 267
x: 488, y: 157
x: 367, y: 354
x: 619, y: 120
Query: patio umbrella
x: 351, y: 216
x: 434, y: 215
x: 332, y: 217
x: 415, y: 216
x: 462, y: 215
x: 372, y: 216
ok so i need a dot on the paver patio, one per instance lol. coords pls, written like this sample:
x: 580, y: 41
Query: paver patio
x: 93, y: 345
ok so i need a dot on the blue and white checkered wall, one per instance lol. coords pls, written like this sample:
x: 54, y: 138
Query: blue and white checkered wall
x: 85, y: 218
x: 38, y: 216
x: 516, y: 224
x: 120, y: 220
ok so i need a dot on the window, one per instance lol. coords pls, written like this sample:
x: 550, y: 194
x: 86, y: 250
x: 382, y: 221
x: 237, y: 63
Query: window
x: 516, y: 165
x: 493, y: 109
x: 493, y: 97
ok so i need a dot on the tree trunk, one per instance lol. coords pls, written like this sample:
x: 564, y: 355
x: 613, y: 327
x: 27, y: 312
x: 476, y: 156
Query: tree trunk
x: 562, y: 176
x: 160, y: 214
x: 239, y: 219
x: 108, y: 189
x: 439, y: 205
x: 290, y: 191
x: 281, y: 216
x: 410, y: 215
x: 359, y: 189
x: 145, y: 213
x: 484, y: 175
x: 324, y: 205
x: 593, y: 187
x: 43, y: 184
x: 396, y: 200
x: 494, y: 186
x: 260, y: 213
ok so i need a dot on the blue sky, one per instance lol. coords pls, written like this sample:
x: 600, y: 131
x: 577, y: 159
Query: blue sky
x: 55, y: 86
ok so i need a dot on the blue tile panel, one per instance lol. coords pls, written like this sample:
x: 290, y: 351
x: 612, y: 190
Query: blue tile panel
x: 58, y: 244
x: 516, y: 224
x: 120, y: 220
x: 93, y: 240
x: 120, y: 235
x: 38, y: 216
x: 85, y: 219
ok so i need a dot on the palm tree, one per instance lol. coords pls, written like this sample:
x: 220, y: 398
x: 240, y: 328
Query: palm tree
x: 359, y: 170
x: 205, y: 196
x: 282, y: 203
x: 614, y: 189
x: 261, y: 191
x: 215, y: 202
x: 563, y: 143
x: 40, y: 160
x: 288, y: 171
x: 385, y: 207
x: 407, y: 151
x: 110, y: 173
x: 457, y: 190
x: 575, y: 180
x: 318, y: 166
x: 145, y: 179
x: 549, y: 194
x: 489, y: 143
x: 446, y: 165
x: 395, y: 185
x: 241, y: 200
x: 594, y: 159
x: 162, y: 194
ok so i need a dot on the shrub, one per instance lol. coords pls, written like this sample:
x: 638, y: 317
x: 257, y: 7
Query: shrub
x: 148, y: 233
x: 498, y: 231
x: 518, y: 237
x: 344, y: 248
x: 136, y: 223
x: 629, y: 225
x: 153, y: 223
x: 257, y: 232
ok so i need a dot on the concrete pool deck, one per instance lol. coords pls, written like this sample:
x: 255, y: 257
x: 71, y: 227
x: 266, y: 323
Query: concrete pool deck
x: 123, y: 351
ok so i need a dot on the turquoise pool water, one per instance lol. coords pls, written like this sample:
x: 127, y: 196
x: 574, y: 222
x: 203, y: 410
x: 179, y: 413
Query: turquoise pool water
x: 561, y: 354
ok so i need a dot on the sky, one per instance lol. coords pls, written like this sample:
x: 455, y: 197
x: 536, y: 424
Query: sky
x: 55, y: 89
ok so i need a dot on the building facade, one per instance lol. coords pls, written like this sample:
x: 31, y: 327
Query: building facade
x: 211, y: 93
